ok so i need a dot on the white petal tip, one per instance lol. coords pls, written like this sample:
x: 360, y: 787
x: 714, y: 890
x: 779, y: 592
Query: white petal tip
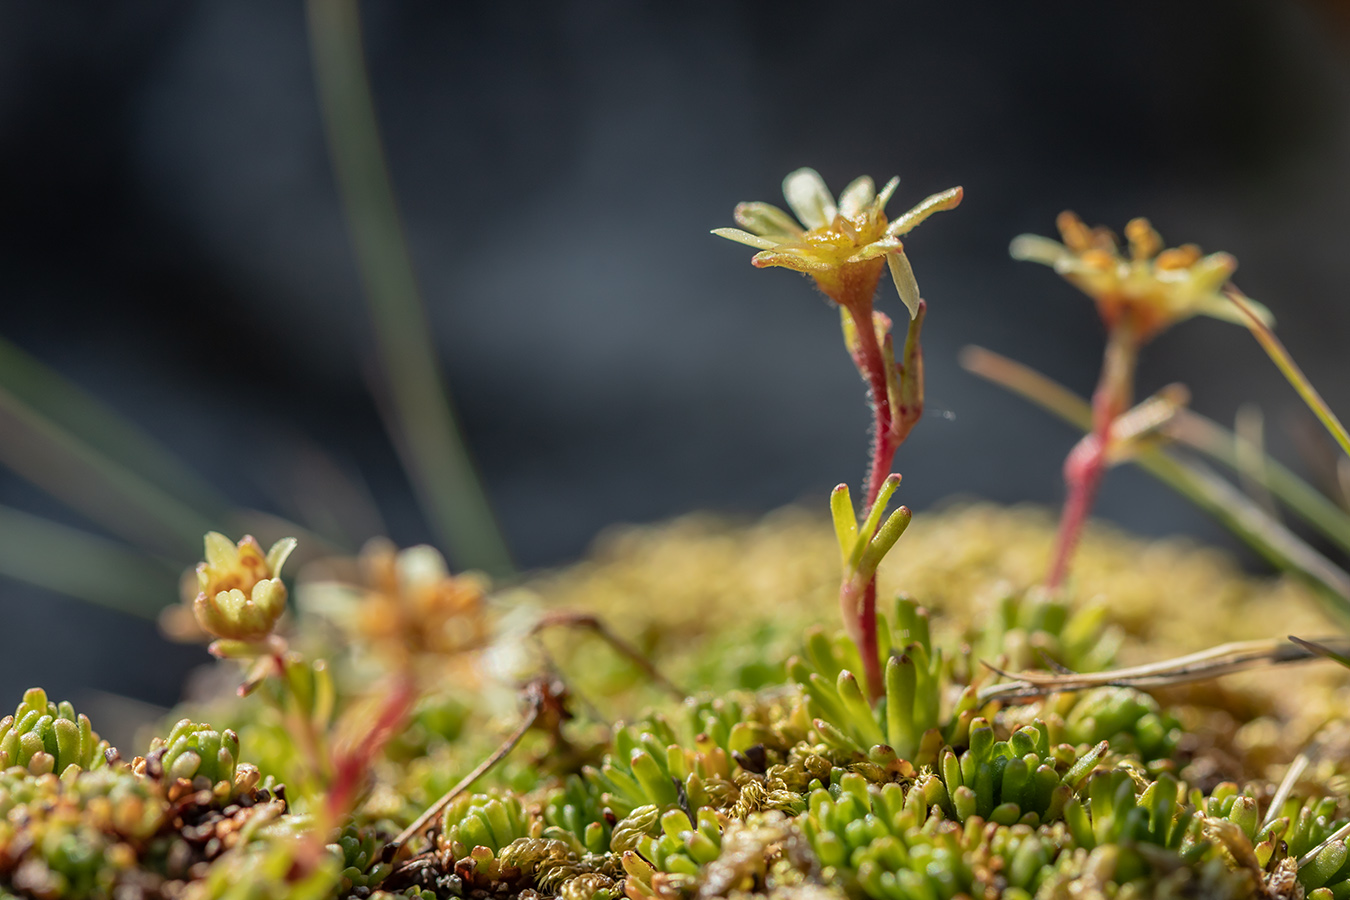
x: 1034, y: 248
x: 745, y: 237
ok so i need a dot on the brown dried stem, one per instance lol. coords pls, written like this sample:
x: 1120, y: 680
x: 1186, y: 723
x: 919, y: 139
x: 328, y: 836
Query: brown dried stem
x: 536, y: 707
x: 576, y: 619
x: 1221, y: 660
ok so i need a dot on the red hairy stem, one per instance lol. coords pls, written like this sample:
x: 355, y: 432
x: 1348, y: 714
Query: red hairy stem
x: 1086, y: 463
x: 896, y: 396
x: 863, y: 610
x: 871, y: 656
x: 858, y: 604
x: 872, y: 364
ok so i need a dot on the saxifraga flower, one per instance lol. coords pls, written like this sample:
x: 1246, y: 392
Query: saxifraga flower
x: 841, y: 245
x: 1154, y: 288
x: 242, y: 595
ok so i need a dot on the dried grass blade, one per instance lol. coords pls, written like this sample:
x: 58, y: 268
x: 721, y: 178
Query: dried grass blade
x: 1221, y: 660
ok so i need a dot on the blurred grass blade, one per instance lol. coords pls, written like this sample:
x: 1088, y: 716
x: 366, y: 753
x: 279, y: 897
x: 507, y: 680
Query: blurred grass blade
x: 1198, y: 483
x: 103, y: 430
x: 439, y: 463
x: 1249, y: 432
x: 1186, y: 427
x: 1027, y: 383
x: 102, y: 490
x: 80, y: 565
x: 1285, y: 363
x: 1286, y: 550
x: 1323, y: 650
x: 1309, y: 504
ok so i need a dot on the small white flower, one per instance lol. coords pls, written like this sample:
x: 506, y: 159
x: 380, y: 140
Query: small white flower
x: 840, y: 245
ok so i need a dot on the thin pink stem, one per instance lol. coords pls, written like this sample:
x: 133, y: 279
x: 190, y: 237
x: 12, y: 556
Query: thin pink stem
x: 873, y: 365
x: 1086, y: 463
x: 351, y: 767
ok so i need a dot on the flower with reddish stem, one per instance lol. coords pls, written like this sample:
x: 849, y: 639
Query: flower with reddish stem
x: 1137, y: 296
x: 841, y: 245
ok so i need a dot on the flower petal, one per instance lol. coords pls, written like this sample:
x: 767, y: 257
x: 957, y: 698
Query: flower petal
x: 221, y: 552
x: 767, y: 220
x: 276, y: 557
x: 809, y: 198
x: 948, y: 199
x: 1034, y: 248
x: 885, y: 196
x: 789, y: 260
x: 905, y: 285
x: 745, y: 237
x: 857, y: 196
x: 877, y: 248
x: 1212, y: 272
x: 1220, y: 307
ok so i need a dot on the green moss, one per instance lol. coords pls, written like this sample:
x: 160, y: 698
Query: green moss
x: 796, y: 788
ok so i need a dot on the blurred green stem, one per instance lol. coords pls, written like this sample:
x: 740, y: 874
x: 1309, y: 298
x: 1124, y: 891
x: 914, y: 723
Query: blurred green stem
x: 1212, y: 439
x: 86, y: 480
x: 1290, y: 370
x: 69, y: 561
x: 428, y: 434
x: 102, y: 430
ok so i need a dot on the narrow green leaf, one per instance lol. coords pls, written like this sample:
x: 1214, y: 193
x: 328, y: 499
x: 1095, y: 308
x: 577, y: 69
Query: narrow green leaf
x: 845, y: 520
x: 98, y: 427
x: 422, y: 418
x: 1193, y: 480
x: 886, y: 537
x: 98, y: 487
x: 68, y: 561
x: 874, y: 515
x: 1290, y: 370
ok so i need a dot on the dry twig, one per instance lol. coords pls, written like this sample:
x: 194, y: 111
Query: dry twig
x: 1221, y: 660
x: 575, y: 619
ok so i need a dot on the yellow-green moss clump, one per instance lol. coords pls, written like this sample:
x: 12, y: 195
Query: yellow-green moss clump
x: 693, y: 590
x: 776, y: 777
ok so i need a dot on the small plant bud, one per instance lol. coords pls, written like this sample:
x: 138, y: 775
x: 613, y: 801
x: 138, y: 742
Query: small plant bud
x: 193, y: 750
x: 47, y: 737
x: 241, y: 596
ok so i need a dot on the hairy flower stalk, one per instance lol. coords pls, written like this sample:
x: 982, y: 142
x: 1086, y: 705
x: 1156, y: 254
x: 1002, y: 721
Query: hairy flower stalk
x: 1137, y: 298
x: 841, y: 246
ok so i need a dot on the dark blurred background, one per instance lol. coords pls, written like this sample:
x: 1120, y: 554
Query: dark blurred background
x: 171, y: 240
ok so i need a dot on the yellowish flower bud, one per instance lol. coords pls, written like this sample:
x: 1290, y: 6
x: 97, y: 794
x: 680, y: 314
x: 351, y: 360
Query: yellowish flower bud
x: 241, y: 596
